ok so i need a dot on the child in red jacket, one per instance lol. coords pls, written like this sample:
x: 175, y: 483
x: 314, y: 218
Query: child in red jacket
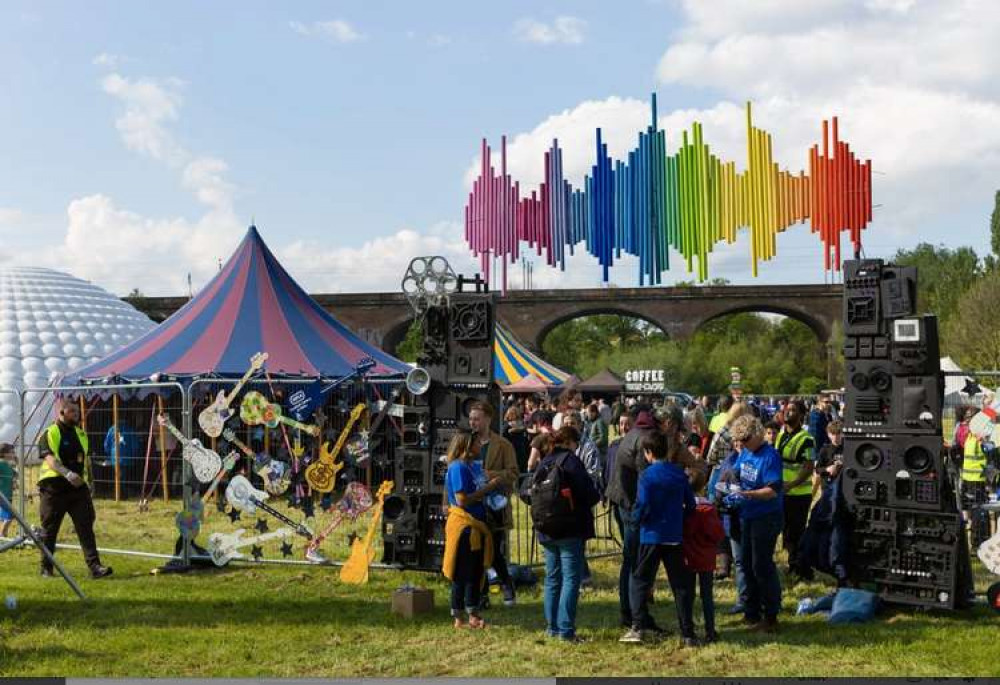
x: 703, y: 532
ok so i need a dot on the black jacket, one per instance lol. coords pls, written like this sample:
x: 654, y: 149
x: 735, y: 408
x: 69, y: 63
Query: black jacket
x: 629, y: 464
x: 585, y: 493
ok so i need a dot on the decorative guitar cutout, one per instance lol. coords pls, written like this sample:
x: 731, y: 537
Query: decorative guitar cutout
x: 189, y: 519
x: 213, y: 418
x: 205, y: 463
x: 982, y: 424
x: 989, y: 553
x: 255, y: 410
x: 224, y: 547
x: 322, y: 475
x: 276, y: 474
x: 355, y: 569
x: 248, y: 499
x: 357, y: 500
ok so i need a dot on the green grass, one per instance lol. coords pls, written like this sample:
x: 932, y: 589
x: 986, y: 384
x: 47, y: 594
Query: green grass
x: 293, y: 621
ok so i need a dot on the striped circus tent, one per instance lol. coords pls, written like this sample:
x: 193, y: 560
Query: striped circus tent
x: 251, y: 305
x: 512, y: 361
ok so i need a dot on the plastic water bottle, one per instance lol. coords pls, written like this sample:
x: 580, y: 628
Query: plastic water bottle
x: 10, y: 602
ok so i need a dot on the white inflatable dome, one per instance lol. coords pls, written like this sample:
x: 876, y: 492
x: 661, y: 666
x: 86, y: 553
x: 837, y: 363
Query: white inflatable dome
x: 51, y: 323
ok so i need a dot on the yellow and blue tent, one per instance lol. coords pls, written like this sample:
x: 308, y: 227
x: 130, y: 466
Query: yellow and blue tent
x: 512, y: 361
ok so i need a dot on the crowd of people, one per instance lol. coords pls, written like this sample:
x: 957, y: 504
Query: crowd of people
x: 705, y: 490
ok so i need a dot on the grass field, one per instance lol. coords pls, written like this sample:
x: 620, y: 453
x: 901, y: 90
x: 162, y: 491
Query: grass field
x: 295, y: 621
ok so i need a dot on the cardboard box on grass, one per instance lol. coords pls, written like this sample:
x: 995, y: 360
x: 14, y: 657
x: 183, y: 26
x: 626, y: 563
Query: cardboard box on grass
x: 411, y: 601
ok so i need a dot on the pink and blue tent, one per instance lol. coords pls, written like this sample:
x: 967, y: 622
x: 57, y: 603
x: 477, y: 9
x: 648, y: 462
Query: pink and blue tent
x: 251, y: 305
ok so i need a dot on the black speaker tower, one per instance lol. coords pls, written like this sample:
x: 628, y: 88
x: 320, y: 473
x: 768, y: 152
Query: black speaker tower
x: 458, y: 355
x: 907, y: 538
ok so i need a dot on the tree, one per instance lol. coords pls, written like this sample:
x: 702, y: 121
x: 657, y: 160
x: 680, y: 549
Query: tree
x: 944, y: 275
x: 972, y: 334
x: 413, y: 343
x: 995, y: 227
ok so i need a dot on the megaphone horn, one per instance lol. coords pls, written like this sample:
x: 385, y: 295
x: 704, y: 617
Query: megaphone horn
x: 418, y: 381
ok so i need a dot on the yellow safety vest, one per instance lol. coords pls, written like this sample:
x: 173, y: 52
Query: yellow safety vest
x: 53, y: 436
x: 795, y: 450
x: 974, y: 461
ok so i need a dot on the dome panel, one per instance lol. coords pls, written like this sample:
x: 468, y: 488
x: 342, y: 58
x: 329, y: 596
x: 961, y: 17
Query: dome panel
x: 51, y: 323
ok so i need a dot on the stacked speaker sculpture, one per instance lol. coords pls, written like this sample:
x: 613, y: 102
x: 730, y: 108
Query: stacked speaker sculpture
x: 907, y: 539
x: 455, y: 370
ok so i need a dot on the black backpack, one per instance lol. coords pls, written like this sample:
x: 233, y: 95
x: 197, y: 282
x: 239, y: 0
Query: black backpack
x: 552, y: 506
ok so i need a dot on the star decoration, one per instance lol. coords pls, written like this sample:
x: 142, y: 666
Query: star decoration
x: 256, y: 552
x: 351, y: 538
x: 234, y: 514
x: 971, y: 388
x: 261, y: 525
x: 286, y: 549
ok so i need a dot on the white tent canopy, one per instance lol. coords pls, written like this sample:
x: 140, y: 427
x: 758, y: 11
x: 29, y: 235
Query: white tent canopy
x: 954, y: 383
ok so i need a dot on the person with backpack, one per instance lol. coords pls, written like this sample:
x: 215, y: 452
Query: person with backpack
x: 562, y: 498
x: 664, y: 498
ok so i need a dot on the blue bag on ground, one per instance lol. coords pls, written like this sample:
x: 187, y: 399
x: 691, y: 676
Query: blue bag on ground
x: 853, y: 606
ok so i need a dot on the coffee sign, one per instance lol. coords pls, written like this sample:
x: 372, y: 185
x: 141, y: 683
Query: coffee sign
x: 645, y: 380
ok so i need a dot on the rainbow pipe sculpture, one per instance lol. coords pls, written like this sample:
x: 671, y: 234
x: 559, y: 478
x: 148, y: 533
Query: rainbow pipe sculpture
x: 688, y: 201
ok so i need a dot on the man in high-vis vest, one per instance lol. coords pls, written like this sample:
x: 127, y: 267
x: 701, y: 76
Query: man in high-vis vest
x: 974, y: 488
x: 797, y: 450
x: 63, y: 489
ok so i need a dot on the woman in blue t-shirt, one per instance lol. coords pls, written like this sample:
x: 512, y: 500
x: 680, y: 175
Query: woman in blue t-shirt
x: 755, y: 490
x: 468, y: 549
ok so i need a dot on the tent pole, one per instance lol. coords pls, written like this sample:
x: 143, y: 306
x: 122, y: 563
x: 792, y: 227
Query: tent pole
x: 115, y: 451
x: 163, y: 452
x: 87, y: 468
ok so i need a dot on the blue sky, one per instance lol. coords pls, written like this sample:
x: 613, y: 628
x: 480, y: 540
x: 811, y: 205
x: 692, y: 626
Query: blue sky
x: 140, y: 137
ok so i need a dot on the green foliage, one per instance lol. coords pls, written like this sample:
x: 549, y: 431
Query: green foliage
x: 995, y: 227
x: 811, y: 385
x: 972, y: 334
x: 775, y: 355
x: 571, y: 344
x: 412, y: 344
x: 943, y: 276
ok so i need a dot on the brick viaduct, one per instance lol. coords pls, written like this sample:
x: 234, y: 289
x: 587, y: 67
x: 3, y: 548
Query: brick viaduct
x: 383, y: 318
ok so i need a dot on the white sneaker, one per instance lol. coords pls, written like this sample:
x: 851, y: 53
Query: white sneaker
x: 313, y: 556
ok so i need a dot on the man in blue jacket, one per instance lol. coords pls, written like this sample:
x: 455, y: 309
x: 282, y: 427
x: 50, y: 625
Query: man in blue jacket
x: 664, y: 497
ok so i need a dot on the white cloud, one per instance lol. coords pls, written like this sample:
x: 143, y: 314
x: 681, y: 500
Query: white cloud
x: 9, y: 216
x: 378, y: 264
x: 336, y: 30
x: 150, y: 106
x: 107, y: 59
x: 122, y: 249
x: 563, y: 30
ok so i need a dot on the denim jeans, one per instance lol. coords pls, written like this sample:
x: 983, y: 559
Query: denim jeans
x: 630, y: 550
x: 706, y: 583
x: 563, y: 573
x: 467, y: 580
x: 760, y: 535
x: 739, y: 576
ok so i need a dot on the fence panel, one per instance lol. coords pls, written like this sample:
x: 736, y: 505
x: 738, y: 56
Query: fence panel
x: 297, y: 449
x: 11, y: 472
x: 133, y: 468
